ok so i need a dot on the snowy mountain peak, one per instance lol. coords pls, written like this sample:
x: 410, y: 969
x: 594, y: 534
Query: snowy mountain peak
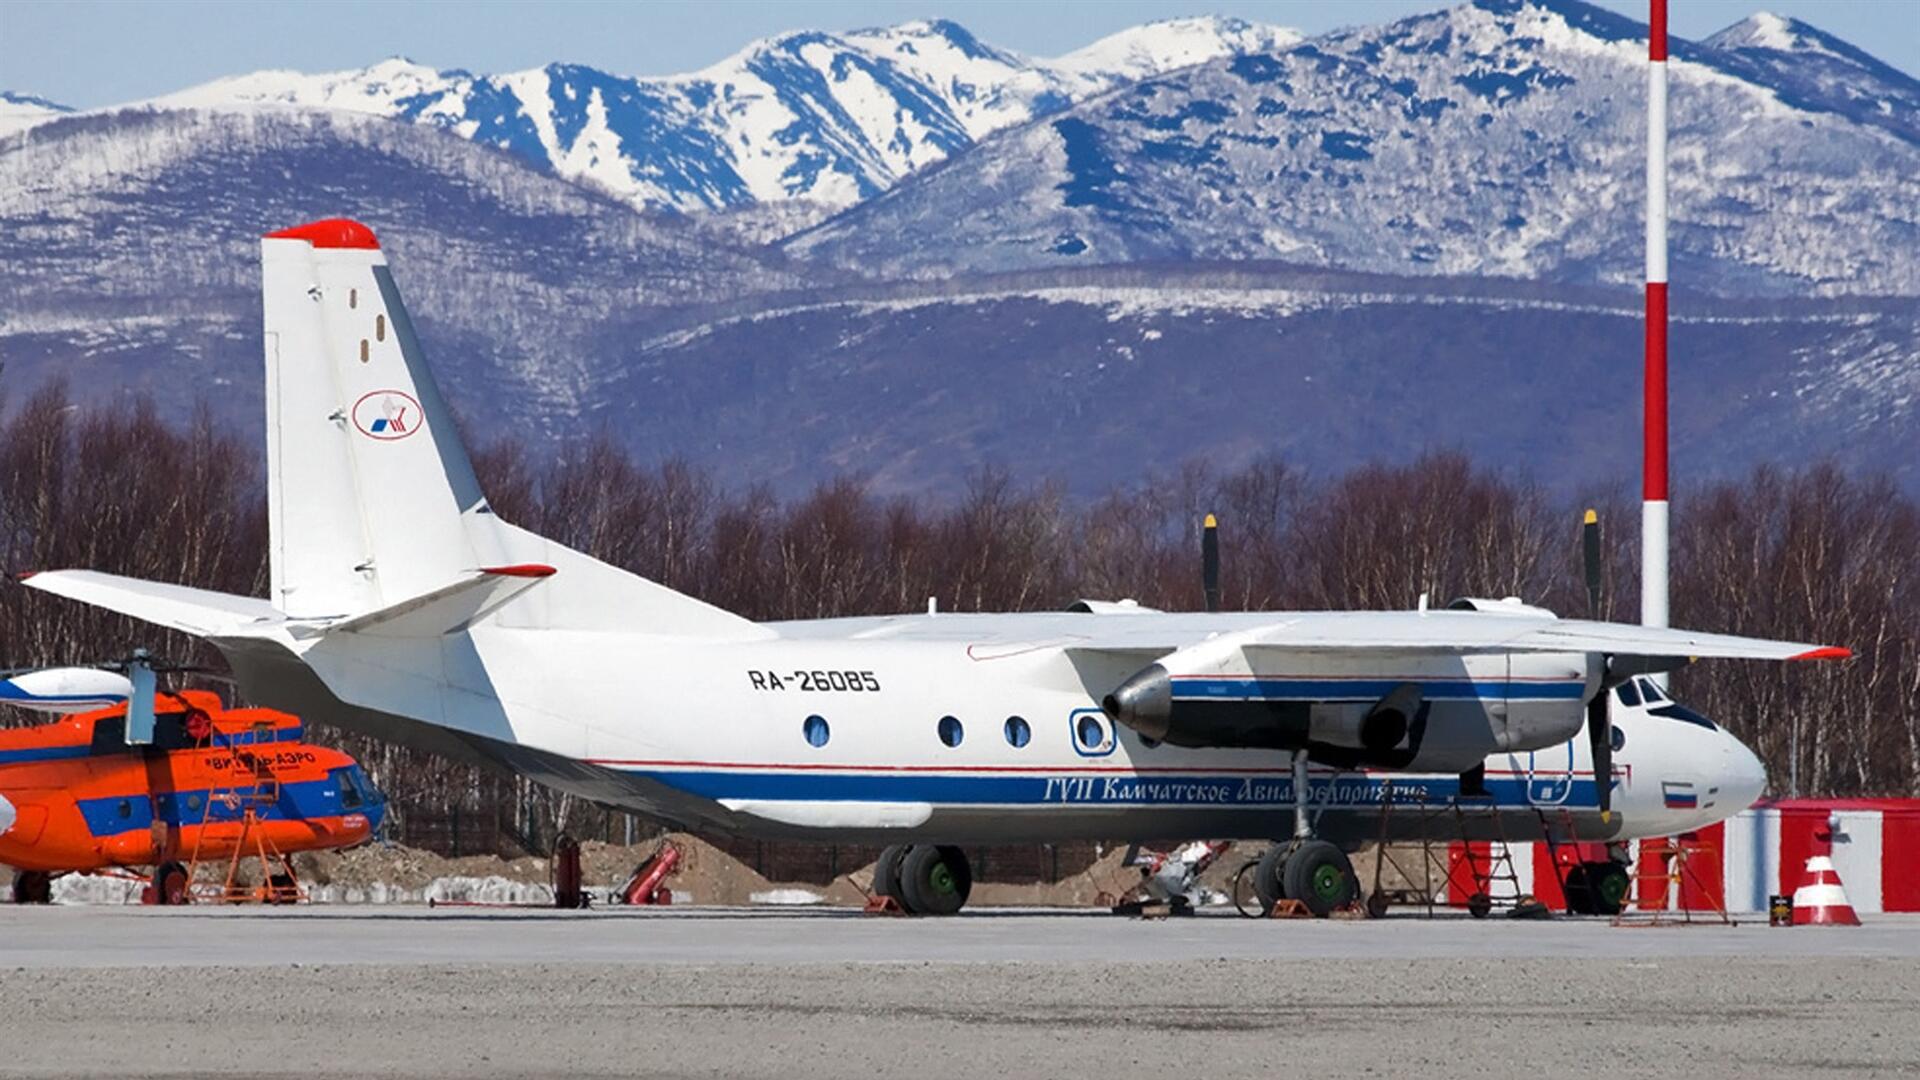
x: 821, y: 118
x: 1168, y: 44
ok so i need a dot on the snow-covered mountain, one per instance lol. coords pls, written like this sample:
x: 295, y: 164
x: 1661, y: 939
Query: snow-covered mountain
x: 829, y: 118
x: 21, y: 111
x: 129, y: 255
x: 1501, y: 137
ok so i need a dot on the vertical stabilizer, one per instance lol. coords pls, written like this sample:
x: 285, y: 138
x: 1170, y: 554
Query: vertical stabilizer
x: 368, y: 482
x: 371, y: 498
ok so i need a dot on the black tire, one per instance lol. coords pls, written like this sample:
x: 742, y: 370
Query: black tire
x: 33, y: 887
x: 1579, y: 892
x: 886, y: 873
x: 1246, y: 897
x: 170, y: 884
x: 1479, y: 905
x: 1321, y: 876
x: 1377, y: 905
x: 935, y: 879
x: 1270, y: 877
x: 1608, y: 884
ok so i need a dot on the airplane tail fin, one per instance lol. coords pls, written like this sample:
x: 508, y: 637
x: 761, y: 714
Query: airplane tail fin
x: 372, y: 499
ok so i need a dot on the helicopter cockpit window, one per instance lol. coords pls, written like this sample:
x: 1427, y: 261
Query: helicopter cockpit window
x: 1628, y: 692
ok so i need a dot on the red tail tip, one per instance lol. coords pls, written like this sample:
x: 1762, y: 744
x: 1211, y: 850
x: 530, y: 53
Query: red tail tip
x: 1831, y: 652
x: 520, y: 570
x: 331, y: 233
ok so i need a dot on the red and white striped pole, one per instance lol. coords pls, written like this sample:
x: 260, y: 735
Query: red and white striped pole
x: 1653, y: 507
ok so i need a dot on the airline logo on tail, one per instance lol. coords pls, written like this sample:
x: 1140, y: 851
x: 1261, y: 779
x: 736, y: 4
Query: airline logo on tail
x: 387, y: 415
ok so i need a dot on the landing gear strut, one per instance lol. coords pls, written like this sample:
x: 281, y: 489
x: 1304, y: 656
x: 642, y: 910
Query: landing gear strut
x: 924, y: 879
x: 1316, y: 873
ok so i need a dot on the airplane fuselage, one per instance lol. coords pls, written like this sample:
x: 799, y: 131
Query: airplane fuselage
x: 948, y: 728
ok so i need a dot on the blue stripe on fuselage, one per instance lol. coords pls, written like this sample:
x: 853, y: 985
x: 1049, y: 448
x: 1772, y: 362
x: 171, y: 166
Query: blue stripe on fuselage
x: 1107, y: 789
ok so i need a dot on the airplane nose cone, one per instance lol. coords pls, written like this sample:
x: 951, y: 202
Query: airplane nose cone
x: 1745, y: 778
x: 6, y: 815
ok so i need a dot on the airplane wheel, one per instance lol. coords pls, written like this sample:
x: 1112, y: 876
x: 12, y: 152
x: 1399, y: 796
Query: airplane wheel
x: 1246, y: 898
x: 935, y: 879
x: 1320, y: 876
x: 886, y: 873
x: 1376, y: 905
x: 1270, y: 878
x: 33, y: 887
x: 170, y: 884
x: 1479, y: 905
x: 1579, y: 891
x: 1608, y: 884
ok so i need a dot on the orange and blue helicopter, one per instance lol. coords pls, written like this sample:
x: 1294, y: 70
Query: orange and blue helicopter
x: 184, y: 783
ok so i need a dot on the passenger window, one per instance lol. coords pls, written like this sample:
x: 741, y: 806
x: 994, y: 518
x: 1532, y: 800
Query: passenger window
x: 1018, y: 733
x: 1628, y: 692
x: 1090, y: 732
x: 353, y: 298
x: 379, y: 328
x: 950, y: 731
x: 816, y: 731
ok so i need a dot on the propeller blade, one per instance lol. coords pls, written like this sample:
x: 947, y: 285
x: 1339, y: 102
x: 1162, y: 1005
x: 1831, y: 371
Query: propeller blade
x: 1600, y: 740
x: 1210, y: 562
x: 1590, y: 542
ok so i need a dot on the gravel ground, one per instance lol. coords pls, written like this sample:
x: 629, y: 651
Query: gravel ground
x: 1012, y: 995
x: 1706, y: 1017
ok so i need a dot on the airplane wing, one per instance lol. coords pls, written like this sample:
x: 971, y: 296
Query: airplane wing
x: 1449, y: 633
x: 201, y: 612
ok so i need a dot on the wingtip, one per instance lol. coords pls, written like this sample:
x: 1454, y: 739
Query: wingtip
x: 1829, y: 652
x: 1592, y: 518
x: 1210, y: 522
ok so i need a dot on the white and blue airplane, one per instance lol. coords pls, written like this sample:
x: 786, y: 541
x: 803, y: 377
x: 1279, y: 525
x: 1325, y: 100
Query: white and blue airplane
x: 400, y: 605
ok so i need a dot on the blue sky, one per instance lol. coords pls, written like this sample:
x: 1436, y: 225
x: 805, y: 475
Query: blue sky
x: 101, y: 52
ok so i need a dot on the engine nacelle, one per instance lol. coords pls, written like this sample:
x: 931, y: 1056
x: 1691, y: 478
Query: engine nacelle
x: 1445, y: 722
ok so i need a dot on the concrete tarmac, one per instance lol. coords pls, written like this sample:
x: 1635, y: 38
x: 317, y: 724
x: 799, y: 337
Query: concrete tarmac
x: 792, y: 995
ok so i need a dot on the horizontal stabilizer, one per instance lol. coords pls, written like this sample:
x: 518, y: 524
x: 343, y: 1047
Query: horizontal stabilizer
x: 201, y: 612
x: 449, y: 608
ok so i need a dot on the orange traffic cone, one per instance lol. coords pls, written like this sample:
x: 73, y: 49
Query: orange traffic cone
x: 1820, y: 901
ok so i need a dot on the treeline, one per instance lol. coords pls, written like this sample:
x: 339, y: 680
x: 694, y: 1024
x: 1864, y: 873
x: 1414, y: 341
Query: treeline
x: 1809, y: 554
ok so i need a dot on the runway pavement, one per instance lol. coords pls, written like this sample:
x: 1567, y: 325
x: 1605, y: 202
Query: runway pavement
x: 692, y: 992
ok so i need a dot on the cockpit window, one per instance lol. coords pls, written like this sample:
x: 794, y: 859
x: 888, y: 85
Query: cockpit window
x: 1628, y: 692
x: 1673, y: 710
x: 351, y: 798
x: 1651, y: 691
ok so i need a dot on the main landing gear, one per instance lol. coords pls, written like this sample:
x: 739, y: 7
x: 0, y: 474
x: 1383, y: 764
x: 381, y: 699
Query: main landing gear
x: 1314, y: 872
x: 924, y: 879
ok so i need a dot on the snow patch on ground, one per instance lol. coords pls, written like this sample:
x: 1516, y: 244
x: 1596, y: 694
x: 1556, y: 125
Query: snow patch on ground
x: 787, y: 897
